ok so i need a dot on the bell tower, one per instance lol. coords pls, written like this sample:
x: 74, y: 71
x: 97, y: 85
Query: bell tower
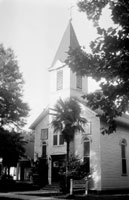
x: 63, y: 82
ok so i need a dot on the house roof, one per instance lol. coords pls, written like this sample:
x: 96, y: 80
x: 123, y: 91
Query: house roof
x: 69, y: 40
x: 123, y: 119
x: 39, y: 118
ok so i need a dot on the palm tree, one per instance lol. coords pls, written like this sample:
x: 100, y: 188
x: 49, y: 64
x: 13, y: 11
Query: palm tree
x: 68, y: 120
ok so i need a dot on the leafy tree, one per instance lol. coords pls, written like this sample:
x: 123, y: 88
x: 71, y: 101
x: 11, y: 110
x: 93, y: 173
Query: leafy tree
x: 68, y: 120
x: 109, y: 61
x: 12, y: 108
x: 77, y: 169
x: 11, y: 147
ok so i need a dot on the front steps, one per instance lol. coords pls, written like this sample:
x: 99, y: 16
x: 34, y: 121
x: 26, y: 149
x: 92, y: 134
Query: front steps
x: 54, y: 187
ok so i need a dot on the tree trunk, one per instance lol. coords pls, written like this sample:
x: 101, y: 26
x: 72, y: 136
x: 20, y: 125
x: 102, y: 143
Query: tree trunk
x: 67, y: 164
x: 68, y: 144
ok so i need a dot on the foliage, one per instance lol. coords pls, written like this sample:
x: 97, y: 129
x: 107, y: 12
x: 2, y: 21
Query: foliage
x: 7, y: 183
x: 11, y: 147
x: 68, y: 120
x: 68, y: 117
x: 5, y: 177
x: 109, y: 60
x: 12, y: 108
x: 77, y: 169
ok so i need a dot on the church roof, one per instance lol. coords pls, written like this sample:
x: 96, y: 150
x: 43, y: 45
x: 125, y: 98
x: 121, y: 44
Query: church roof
x: 69, y: 40
x: 39, y: 118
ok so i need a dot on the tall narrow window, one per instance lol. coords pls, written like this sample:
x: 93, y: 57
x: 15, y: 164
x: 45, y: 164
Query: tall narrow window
x: 59, y: 79
x: 58, y: 139
x: 123, y: 156
x: 61, y: 139
x: 87, y: 154
x: 44, y: 149
x: 55, y: 139
x: 79, y: 81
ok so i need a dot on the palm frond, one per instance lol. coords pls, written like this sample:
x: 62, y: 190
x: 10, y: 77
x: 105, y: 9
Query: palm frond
x: 57, y: 125
x: 67, y: 118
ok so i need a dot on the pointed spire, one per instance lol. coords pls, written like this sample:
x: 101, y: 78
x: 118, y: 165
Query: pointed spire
x: 69, y: 40
x: 70, y: 12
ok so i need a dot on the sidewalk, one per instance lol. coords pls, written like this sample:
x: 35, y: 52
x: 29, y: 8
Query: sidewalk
x: 51, y: 195
x: 30, y: 194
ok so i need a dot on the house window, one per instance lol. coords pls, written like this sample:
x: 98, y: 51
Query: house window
x: 86, y: 153
x: 79, y: 81
x: 61, y: 139
x: 123, y: 156
x: 44, y: 149
x: 44, y: 134
x: 59, y: 79
x: 55, y: 139
x: 58, y: 139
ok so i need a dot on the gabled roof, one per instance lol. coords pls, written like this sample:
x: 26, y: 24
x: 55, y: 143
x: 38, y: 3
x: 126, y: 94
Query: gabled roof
x: 39, y: 118
x: 69, y: 40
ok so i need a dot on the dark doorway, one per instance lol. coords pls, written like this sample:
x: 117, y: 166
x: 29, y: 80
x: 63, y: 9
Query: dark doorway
x: 58, y: 161
x: 43, y: 171
x: 22, y: 173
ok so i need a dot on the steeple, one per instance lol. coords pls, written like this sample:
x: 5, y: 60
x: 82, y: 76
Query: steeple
x: 69, y: 40
x: 63, y: 82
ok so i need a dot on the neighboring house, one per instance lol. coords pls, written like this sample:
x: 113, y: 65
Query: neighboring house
x: 24, y: 166
x: 107, y: 156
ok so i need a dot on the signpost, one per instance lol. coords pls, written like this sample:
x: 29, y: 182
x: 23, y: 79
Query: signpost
x: 78, y: 185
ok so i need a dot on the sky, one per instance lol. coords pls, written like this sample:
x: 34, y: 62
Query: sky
x: 34, y: 29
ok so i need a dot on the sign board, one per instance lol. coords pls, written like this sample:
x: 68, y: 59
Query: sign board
x: 79, y: 184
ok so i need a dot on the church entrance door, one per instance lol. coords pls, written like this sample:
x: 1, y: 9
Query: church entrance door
x: 58, y: 161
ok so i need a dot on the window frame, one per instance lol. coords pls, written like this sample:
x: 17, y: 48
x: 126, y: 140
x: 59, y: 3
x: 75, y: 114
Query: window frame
x: 55, y: 139
x: 123, y: 144
x: 59, y: 79
x: 44, y: 153
x: 59, y: 138
x: 43, y: 136
x: 86, y: 156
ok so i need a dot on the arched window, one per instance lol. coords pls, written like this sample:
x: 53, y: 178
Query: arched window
x: 44, y: 149
x: 123, y: 144
x: 86, y: 153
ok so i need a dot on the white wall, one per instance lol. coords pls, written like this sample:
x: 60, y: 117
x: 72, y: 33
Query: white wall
x: 63, y: 93
x: 111, y: 163
x: 44, y: 123
x: 95, y: 159
x: 69, y: 84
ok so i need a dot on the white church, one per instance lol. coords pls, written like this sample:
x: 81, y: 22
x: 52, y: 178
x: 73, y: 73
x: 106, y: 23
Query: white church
x: 107, y: 155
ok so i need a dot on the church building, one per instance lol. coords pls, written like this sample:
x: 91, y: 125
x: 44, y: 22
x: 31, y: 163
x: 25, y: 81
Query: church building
x: 107, y: 155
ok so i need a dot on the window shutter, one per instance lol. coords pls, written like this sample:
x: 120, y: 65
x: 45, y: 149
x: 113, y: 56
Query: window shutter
x: 79, y: 81
x: 59, y: 80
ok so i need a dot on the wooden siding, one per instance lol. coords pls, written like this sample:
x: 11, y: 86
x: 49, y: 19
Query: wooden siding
x: 111, y: 163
